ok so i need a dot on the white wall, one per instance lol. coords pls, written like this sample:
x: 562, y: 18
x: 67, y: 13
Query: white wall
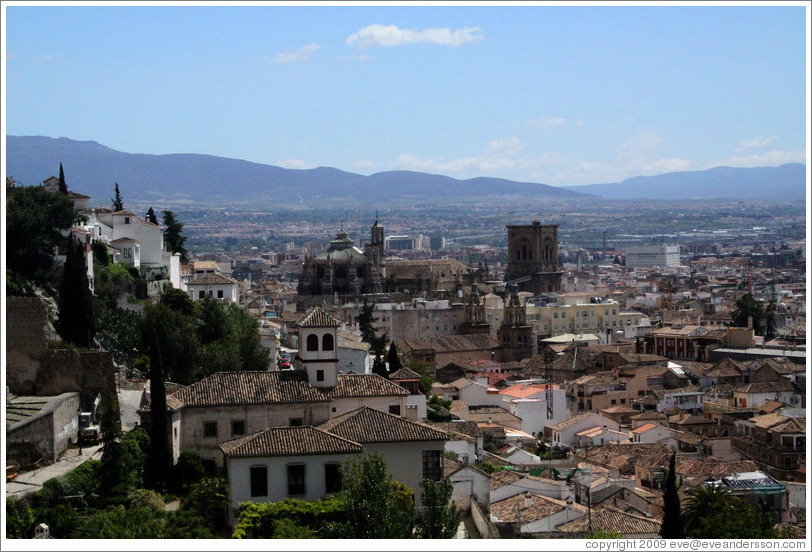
x: 468, y: 482
x: 405, y: 462
x: 239, y: 477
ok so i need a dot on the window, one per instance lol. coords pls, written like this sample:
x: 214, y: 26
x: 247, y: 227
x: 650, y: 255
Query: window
x: 332, y: 478
x: 295, y: 422
x: 201, y: 294
x: 394, y: 409
x: 210, y: 429
x: 237, y: 427
x: 432, y: 465
x: 126, y: 220
x: 219, y: 293
x: 319, y: 375
x: 296, y: 479
x: 259, y: 481
x: 312, y: 342
x: 327, y: 342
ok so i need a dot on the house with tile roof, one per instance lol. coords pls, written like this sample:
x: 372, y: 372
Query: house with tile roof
x: 469, y: 483
x: 285, y: 462
x: 527, y: 514
x: 507, y: 483
x: 412, y: 451
x: 528, y: 402
x: 565, y: 433
x: 654, y: 433
x: 212, y: 285
x: 776, y: 441
x: 631, y: 526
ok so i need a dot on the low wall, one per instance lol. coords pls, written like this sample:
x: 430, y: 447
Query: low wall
x: 486, y: 529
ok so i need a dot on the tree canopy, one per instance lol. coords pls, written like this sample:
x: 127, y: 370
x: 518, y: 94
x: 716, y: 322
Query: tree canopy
x: 173, y: 235
x: 672, y: 519
x: 35, y: 221
x: 76, y: 323
x: 118, y: 201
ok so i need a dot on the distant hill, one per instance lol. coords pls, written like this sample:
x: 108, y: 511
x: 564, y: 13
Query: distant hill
x: 784, y: 183
x: 93, y: 169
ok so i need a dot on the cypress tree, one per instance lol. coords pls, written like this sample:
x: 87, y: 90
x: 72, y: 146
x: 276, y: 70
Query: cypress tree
x: 118, y: 203
x: 63, y: 188
x: 76, y: 322
x: 153, y: 333
x: 393, y: 359
x: 151, y: 216
x: 672, y: 518
x: 173, y: 235
x: 112, y: 475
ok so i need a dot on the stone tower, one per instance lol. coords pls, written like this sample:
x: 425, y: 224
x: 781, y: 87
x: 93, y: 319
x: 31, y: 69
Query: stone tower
x: 475, y: 320
x: 318, y: 348
x: 374, y: 252
x: 533, y: 258
x: 515, y: 334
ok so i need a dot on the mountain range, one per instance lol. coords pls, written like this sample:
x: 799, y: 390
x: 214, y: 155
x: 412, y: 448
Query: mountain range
x: 199, y: 180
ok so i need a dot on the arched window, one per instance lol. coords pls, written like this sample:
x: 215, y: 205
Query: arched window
x: 312, y: 342
x: 327, y: 342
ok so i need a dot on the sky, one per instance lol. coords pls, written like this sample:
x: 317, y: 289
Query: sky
x: 561, y: 95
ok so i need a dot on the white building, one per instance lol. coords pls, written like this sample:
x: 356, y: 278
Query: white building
x: 652, y: 255
x: 529, y: 402
x: 212, y: 285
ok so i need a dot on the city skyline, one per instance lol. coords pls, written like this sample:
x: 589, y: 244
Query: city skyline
x: 558, y: 95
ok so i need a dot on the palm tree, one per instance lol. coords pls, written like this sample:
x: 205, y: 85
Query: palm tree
x: 705, y: 500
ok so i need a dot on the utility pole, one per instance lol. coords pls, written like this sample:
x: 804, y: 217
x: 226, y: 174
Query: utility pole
x: 549, y: 357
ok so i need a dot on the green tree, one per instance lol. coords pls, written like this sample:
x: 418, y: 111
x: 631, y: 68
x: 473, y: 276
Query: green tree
x: 35, y: 221
x: 187, y: 472
x: 208, y: 499
x: 214, y: 324
x: 742, y: 521
x: 366, y: 323
x: 178, y: 300
x: 245, y: 333
x: 76, y: 322
x: 173, y: 235
x: 769, y: 319
x: 703, y: 501
x: 19, y: 519
x: 151, y: 216
x: 63, y: 188
x: 439, y: 518
x: 375, y: 504
x: 393, y: 359
x: 113, y: 481
x: 672, y: 520
x: 118, y: 202
x: 746, y: 307
x: 118, y: 333
x: 158, y: 348
x: 379, y: 366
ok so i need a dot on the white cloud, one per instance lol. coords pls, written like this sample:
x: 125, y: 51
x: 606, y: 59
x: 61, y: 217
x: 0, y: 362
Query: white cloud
x: 772, y: 158
x: 295, y: 164
x: 497, y: 156
x: 391, y: 35
x: 302, y: 54
x: 550, y: 122
x: 757, y: 143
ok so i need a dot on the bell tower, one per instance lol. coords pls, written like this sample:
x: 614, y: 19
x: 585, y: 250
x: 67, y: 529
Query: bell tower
x: 515, y: 334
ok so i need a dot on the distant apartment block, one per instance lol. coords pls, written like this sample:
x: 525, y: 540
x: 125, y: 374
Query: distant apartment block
x: 652, y: 255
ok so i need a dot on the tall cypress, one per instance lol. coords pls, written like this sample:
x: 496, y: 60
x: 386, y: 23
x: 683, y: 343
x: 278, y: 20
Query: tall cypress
x: 672, y: 518
x: 118, y: 202
x: 113, y: 482
x: 151, y: 216
x: 76, y: 322
x: 63, y: 188
x: 158, y: 457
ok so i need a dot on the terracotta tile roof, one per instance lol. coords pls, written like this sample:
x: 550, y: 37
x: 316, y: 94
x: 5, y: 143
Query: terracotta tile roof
x: 450, y: 343
x: 649, y: 415
x: 404, y: 374
x: 289, y: 441
x: 494, y: 414
x: 620, y: 455
x: 563, y: 424
x: 464, y: 428
x: 245, y: 388
x: 612, y: 519
x: 317, y: 318
x: 364, y: 385
x: 513, y: 509
x: 367, y: 425
x: 765, y: 387
x: 521, y: 391
x: 210, y: 279
x: 504, y: 477
x: 645, y: 427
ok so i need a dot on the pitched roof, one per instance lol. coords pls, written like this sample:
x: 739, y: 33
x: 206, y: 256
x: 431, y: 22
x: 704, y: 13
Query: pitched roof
x: 645, y: 427
x: 289, y: 441
x: 612, y: 519
x: 765, y: 387
x: 317, y: 318
x: 210, y: 279
x: 246, y: 388
x: 364, y: 385
x: 563, y: 424
x: 513, y: 509
x: 404, y: 374
x: 367, y: 425
x: 523, y: 390
x: 504, y: 477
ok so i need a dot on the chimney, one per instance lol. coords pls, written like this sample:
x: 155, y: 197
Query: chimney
x: 749, y: 322
x: 528, y: 500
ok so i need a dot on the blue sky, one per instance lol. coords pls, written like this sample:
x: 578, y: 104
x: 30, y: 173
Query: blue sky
x: 560, y: 95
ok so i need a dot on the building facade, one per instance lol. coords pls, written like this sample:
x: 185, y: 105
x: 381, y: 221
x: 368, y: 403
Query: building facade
x: 533, y: 258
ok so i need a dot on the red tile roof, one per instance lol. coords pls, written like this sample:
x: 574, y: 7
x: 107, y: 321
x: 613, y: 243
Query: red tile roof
x: 367, y: 425
x: 289, y: 441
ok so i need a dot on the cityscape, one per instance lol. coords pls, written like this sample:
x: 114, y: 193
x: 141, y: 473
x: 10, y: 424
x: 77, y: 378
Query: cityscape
x: 405, y: 272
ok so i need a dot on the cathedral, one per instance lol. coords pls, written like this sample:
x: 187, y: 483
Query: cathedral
x: 533, y: 258
x: 345, y: 268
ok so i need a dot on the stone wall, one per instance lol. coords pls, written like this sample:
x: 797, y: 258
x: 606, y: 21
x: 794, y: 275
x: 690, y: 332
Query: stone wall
x: 32, y: 368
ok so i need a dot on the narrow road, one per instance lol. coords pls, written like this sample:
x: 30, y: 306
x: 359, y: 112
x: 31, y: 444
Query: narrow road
x: 31, y: 481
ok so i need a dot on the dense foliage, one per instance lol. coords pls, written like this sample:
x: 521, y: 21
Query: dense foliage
x: 672, y: 520
x: 77, y: 322
x: 35, y: 219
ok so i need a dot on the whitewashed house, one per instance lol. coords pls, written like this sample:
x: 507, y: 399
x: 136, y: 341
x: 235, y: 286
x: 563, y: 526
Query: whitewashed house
x: 529, y: 402
x: 213, y: 285
x: 565, y: 433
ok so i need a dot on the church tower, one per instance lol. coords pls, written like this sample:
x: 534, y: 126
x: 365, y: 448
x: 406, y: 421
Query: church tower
x: 374, y: 251
x: 318, y: 348
x: 475, y: 321
x: 515, y: 334
x: 533, y: 258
